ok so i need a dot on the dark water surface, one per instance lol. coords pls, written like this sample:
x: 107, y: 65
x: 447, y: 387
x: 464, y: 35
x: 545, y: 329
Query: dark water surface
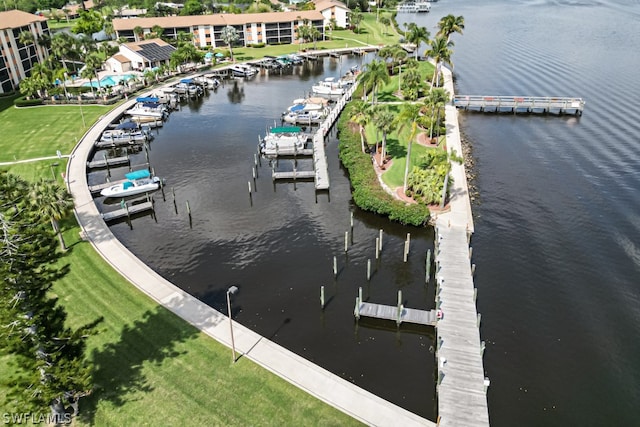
x: 278, y: 246
x: 558, y: 217
x: 557, y: 222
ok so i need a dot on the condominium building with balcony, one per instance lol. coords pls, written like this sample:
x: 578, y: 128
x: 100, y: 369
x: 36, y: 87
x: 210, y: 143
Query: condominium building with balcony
x: 17, y: 59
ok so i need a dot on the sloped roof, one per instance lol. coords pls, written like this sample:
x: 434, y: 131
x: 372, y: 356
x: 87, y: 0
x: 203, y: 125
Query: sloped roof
x: 121, y: 58
x: 217, y: 19
x: 17, y: 18
x: 328, y: 4
x: 152, y: 49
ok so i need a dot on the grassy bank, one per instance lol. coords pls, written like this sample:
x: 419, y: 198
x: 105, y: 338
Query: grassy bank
x: 151, y: 367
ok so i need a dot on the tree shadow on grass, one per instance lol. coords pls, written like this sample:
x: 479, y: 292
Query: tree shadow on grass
x: 395, y: 149
x: 118, y: 366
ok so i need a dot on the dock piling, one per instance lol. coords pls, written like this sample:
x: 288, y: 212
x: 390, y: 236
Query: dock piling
x: 322, y: 297
x: 368, y: 269
x: 335, y: 267
x: 377, y: 248
x: 427, y: 274
x: 380, y: 240
x: 346, y: 241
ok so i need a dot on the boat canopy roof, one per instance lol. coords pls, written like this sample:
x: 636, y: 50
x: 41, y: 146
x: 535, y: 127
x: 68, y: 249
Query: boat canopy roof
x: 297, y: 107
x: 285, y: 129
x: 139, y: 174
x: 127, y: 125
x: 148, y: 99
x: 187, y: 81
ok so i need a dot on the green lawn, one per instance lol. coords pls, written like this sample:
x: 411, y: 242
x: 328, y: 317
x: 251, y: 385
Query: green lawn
x: 151, y: 367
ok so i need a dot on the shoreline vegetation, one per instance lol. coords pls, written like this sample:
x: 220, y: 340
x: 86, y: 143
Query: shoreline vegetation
x: 150, y: 366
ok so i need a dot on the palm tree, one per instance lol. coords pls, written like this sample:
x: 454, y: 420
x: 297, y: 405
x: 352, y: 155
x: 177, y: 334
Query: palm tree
x: 383, y: 120
x: 229, y: 35
x: 62, y: 45
x: 386, y: 22
x: 399, y: 55
x: 435, y: 101
x: 408, y: 114
x: 359, y: 113
x: 138, y: 32
x: 416, y: 36
x: 52, y: 202
x: 450, y: 24
x: 26, y: 38
x: 356, y: 18
x: 440, y: 51
x: 413, y: 81
x: 375, y: 73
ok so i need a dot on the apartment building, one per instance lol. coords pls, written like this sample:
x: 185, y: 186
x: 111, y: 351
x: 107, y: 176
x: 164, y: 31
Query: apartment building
x: 17, y: 59
x: 268, y: 28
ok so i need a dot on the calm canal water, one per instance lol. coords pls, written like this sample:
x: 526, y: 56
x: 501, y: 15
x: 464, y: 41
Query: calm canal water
x: 557, y: 222
x: 278, y: 246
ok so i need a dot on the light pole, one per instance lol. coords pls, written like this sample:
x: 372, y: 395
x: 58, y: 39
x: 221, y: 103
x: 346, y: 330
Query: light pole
x: 84, y: 125
x: 232, y: 290
x: 52, y: 165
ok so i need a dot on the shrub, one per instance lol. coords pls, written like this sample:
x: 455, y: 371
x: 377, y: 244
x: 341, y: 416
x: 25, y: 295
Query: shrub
x: 24, y: 102
x: 258, y: 45
x: 366, y: 190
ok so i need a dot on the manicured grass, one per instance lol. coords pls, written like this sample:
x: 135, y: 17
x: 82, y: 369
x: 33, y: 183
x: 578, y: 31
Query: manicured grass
x: 32, y: 132
x: 151, y: 367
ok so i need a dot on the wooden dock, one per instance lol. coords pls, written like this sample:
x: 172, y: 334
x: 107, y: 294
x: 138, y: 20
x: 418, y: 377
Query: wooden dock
x: 113, y: 161
x: 461, y: 384
x: 520, y: 104
x: 397, y: 314
x: 127, y: 211
x: 293, y: 175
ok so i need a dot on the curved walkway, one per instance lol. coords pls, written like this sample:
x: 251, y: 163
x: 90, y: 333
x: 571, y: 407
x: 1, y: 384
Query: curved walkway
x: 341, y: 394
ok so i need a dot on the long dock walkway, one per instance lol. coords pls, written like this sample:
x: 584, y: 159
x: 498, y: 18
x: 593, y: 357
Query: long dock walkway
x: 324, y: 385
x: 320, y: 163
x: 461, y: 384
x: 523, y: 104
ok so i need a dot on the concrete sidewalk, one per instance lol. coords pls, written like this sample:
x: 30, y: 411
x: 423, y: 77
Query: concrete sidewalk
x: 343, y: 395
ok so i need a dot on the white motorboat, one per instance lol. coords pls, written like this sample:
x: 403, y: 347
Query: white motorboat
x: 414, y: 7
x: 137, y: 182
x: 283, y: 140
x: 328, y: 86
x: 304, y: 117
x: 243, y: 70
x: 148, y: 107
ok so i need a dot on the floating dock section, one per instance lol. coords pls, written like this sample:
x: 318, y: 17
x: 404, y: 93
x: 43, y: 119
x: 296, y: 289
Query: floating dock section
x: 398, y: 314
x: 520, y: 104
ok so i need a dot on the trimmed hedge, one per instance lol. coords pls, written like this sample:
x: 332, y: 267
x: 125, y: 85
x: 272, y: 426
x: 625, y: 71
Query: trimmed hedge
x: 366, y: 190
x: 24, y: 102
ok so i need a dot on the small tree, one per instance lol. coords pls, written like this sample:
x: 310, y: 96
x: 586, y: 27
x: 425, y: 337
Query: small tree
x: 229, y: 35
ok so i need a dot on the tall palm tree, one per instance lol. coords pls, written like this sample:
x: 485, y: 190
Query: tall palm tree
x: 229, y: 35
x: 417, y: 35
x: 375, y: 73
x: 360, y: 114
x: 399, y: 55
x: 52, y: 202
x: 440, y: 51
x: 450, y: 24
x: 383, y: 120
x: 408, y: 114
x: 26, y: 38
x: 413, y: 81
x: 62, y: 45
x: 435, y: 101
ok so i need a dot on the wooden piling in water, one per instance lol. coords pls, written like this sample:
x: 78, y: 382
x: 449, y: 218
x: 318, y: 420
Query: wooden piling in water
x: 335, y: 267
x: 368, y: 269
x: 322, y: 297
x: 346, y: 241
x: 427, y: 274
x: 380, y: 240
x: 377, y: 248
x: 399, y: 307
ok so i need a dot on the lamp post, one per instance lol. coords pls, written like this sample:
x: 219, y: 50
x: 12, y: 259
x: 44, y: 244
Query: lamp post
x: 84, y: 125
x: 232, y: 290
x: 53, y: 175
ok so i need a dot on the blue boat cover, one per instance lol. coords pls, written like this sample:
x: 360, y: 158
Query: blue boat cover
x: 148, y: 99
x: 127, y: 125
x: 297, y: 107
x: 187, y: 81
x: 127, y: 184
x: 139, y: 174
x: 150, y: 104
